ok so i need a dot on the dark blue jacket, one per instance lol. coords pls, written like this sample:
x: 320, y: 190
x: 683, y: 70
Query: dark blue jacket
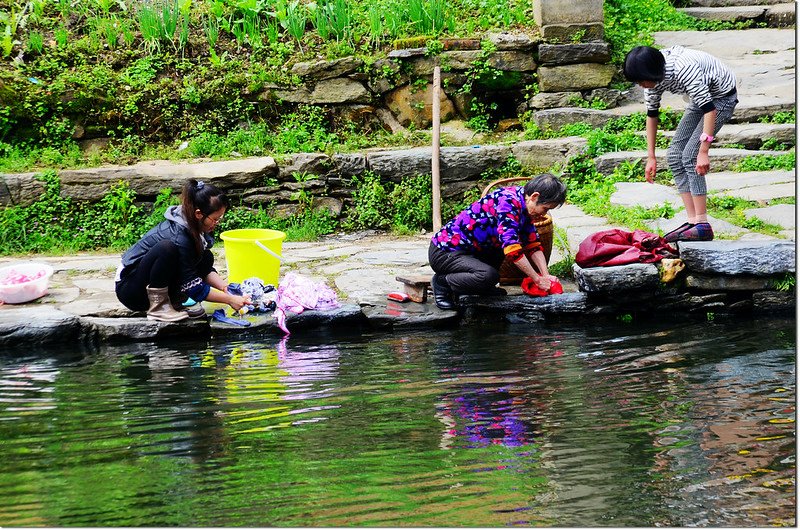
x: 194, y: 266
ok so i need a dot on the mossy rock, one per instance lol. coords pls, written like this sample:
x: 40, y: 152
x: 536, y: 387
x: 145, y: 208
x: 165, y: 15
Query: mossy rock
x: 412, y: 42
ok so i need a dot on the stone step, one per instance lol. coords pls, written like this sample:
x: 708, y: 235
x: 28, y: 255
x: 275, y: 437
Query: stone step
x: 783, y: 215
x: 775, y: 16
x: 761, y: 186
x: 747, y: 184
x: 752, y: 135
x: 747, y: 111
x: 725, y: 3
x: 722, y: 159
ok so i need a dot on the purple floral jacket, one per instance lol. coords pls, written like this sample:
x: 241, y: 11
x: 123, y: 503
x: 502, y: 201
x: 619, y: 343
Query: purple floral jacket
x: 497, y: 221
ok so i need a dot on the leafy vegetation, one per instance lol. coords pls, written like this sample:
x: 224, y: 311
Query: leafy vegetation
x: 732, y: 209
x: 404, y: 207
x: 592, y: 191
x: 56, y: 224
x: 787, y: 283
x: 779, y: 117
x: 767, y: 162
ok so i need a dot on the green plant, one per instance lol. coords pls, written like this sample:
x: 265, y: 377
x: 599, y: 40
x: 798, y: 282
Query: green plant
x: 630, y: 23
x: 578, y: 36
x: 766, y: 162
x: 480, y: 116
x: 592, y: 192
x: 773, y: 144
x: 411, y: 203
x: 370, y: 200
x: 35, y: 42
x: 61, y: 36
x: 165, y: 23
x: 787, y: 283
x: 292, y: 17
x: 563, y: 268
x: 428, y: 17
x: 433, y: 47
x: 732, y: 209
x: 595, y: 103
x: 375, y: 25
x: 779, y: 117
x: 10, y: 22
x: 114, y: 222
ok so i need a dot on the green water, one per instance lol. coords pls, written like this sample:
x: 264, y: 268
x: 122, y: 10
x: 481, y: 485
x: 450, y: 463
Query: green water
x: 523, y: 425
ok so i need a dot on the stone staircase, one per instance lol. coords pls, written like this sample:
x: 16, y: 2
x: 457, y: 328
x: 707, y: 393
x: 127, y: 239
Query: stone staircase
x: 773, y: 13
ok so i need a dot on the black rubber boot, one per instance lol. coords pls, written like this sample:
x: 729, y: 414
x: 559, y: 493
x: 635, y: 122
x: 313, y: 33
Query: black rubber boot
x: 442, y: 294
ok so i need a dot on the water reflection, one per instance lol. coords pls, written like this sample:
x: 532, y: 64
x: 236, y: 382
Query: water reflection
x: 624, y: 426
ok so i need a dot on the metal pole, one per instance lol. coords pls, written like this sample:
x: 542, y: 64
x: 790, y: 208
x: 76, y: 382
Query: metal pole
x: 436, y: 183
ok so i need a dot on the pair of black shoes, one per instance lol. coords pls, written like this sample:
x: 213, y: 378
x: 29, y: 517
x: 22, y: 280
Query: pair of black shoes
x: 444, y: 297
x: 442, y: 293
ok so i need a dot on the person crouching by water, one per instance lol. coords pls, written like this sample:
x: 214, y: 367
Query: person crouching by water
x: 173, y: 262
x: 467, y: 252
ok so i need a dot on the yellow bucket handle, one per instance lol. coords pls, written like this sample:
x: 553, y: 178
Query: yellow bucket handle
x: 260, y: 244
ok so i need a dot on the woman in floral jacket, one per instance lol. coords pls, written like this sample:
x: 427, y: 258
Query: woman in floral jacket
x: 467, y: 252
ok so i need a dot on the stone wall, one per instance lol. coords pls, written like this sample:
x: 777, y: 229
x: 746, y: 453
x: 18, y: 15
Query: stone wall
x: 497, y: 73
x: 263, y: 180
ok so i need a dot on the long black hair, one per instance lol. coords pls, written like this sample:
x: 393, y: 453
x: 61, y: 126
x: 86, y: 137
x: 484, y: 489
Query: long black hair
x: 197, y: 195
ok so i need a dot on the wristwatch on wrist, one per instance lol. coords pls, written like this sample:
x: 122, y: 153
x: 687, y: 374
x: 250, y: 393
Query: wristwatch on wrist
x: 706, y: 138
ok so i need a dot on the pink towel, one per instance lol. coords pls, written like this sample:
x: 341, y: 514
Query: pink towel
x: 297, y: 293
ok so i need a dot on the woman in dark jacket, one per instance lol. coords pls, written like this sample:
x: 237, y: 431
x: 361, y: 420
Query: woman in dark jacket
x: 173, y: 261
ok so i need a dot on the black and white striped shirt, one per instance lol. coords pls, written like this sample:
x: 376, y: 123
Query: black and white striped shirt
x: 700, y: 75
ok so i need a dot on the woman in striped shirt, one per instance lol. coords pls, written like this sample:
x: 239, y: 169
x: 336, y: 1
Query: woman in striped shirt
x: 711, y: 89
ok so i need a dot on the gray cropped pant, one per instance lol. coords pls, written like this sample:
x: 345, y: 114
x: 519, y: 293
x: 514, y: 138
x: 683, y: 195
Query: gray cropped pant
x: 682, y: 152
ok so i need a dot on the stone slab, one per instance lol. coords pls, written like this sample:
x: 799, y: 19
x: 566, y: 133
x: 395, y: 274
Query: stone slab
x: 727, y: 13
x: 784, y: 215
x: 731, y: 180
x: 764, y: 193
x: 36, y: 324
x: 721, y: 158
x: 757, y: 258
x: 774, y: 301
x: 723, y: 3
x: 385, y: 313
x: 644, y: 194
x: 727, y: 283
x: 556, y: 304
x: 633, y: 277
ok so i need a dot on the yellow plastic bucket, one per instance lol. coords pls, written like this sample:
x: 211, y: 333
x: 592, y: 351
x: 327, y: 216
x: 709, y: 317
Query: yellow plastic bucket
x: 253, y: 252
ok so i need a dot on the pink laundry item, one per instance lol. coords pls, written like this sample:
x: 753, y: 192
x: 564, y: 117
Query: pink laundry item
x: 297, y: 293
x: 16, y: 278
